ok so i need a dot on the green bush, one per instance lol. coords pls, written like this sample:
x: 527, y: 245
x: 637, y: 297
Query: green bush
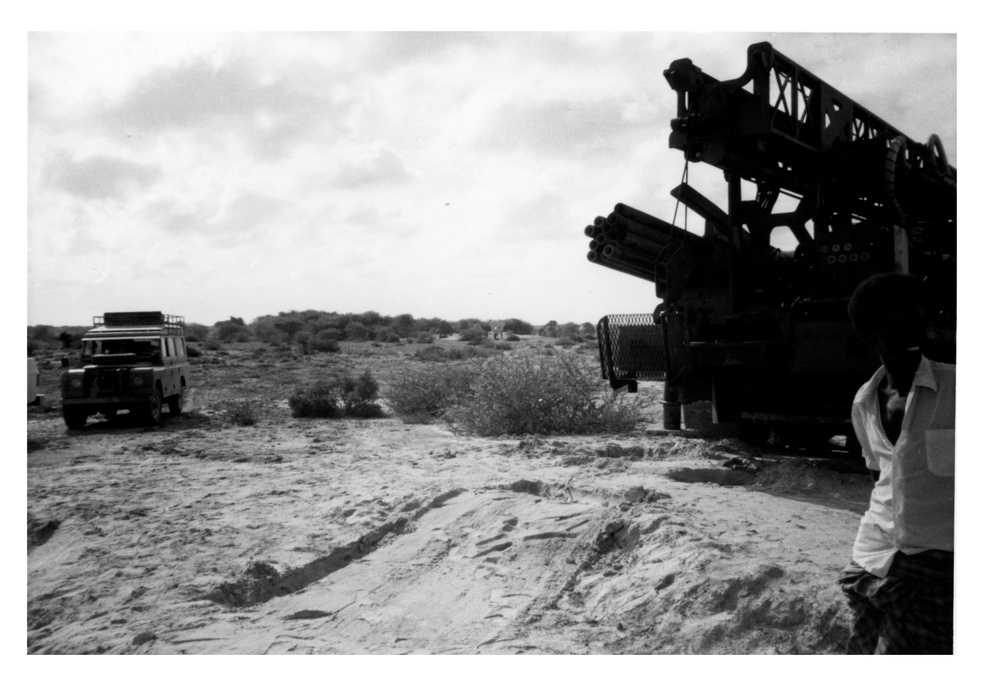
x: 317, y: 400
x: 420, y: 396
x: 524, y: 393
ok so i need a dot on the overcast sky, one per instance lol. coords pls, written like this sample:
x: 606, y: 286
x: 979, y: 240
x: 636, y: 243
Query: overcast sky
x: 438, y: 174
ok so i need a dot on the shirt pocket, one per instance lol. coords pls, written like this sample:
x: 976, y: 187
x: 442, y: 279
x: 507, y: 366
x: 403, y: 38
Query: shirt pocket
x: 940, y: 447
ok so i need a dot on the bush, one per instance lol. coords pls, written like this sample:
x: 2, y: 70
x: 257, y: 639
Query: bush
x: 472, y: 335
x: 324, y: 346
x: 424, y: 395
x: 243, y: 412
x: 512, y: 337
x: 193, y: 351
x: 318, y: 400
x: 527, y: 394
x: 384, y: 334
x: 196, y: 332
x: 334, y: 397
x: 439, y: 354
x: 359, y: 396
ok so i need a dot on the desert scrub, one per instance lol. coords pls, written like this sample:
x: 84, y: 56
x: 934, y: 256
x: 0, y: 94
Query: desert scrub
x: 316, y: 400
x: 341, y: 396
x: 245, y: 412
x: 359, y: 395
x: 439, y: 354
x: 526, y: 393
x: 420, y: 396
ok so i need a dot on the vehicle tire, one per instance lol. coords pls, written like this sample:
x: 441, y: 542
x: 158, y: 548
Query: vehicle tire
x: 154, y: 409
x: 74, y: 416
x: 176, y: 403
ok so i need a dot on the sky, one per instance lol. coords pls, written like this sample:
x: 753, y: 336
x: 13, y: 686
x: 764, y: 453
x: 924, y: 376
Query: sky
x: 445, y: 175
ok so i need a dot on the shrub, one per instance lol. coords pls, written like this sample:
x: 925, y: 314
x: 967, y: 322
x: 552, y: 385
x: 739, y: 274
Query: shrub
x: 324, y: 346
x: 472, y: 335
x: 196, y: 332
x: 512, y: 337
x: 420, y: 396
x: 193, y: 351
x: 384, y: 334
x: 243, y: 412
x: 359, y: 395
x: 439, y: 354
x: 317, y: 400
x: 527, y: 394
x: 356, y: 331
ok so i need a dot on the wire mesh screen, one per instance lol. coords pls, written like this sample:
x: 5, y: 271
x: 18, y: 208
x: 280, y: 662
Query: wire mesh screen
x: 631, y: 348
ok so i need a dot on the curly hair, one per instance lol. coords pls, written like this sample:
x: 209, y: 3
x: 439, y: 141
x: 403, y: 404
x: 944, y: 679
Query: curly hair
x: 880, y: 295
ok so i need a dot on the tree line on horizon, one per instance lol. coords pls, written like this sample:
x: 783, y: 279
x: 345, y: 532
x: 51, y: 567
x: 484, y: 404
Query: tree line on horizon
x: 323, y: 328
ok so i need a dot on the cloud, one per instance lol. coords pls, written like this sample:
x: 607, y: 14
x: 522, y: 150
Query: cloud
x: 374, y: 164
x: 249, y: 215
x: 233, y: 95
x: 100, y: 177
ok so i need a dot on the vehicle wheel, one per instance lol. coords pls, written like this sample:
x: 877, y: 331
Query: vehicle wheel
x: 154, y: 409
x: 75, y: 417
x: 176, y: 403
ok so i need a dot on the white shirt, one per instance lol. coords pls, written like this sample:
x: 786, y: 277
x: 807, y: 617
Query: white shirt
x: 912, y: 506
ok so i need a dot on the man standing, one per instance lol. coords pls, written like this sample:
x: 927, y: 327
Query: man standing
x: 900, y: 583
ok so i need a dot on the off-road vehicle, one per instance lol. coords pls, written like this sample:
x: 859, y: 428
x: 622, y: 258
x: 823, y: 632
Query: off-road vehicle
x: 134, y: 361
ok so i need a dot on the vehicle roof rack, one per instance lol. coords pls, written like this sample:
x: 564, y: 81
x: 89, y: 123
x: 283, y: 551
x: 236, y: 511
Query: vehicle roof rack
x: 174, y: 324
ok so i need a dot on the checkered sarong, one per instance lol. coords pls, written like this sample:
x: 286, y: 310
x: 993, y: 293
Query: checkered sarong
x: 909, y: 611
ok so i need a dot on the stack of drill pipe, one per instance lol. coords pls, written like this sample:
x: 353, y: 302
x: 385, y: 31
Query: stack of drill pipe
x: 628, y: 240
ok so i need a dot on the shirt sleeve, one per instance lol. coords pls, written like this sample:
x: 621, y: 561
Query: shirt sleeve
x: 861, y: 431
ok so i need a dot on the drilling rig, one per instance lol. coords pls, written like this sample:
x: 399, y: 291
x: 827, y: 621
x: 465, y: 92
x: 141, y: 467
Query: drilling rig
x: 761, y: 333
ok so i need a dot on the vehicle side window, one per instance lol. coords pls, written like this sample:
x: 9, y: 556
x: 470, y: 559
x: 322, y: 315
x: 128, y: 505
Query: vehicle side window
x: 168, y: 350
x: 181, y: 346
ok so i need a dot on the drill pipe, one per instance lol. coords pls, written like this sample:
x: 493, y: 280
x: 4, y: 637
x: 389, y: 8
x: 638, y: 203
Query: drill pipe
x: 589, y: 232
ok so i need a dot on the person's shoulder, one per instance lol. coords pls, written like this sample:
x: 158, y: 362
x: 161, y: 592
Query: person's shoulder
x: 941, y: 367
x: 944, y: 374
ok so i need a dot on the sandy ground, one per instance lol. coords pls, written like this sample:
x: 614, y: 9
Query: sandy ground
x: 373, y: 536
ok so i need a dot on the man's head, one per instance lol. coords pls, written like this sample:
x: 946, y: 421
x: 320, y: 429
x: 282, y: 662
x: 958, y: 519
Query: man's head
x: 886, y: 310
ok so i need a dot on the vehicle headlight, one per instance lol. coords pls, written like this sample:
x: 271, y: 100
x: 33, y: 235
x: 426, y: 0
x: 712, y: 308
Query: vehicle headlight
x: 75, y: 383
x: 138, y: 380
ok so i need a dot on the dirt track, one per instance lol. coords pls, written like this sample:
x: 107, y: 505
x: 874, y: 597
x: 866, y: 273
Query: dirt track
x: 372, y: 536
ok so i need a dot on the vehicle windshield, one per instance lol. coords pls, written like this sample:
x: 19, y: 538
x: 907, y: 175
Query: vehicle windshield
x: 143, y: 348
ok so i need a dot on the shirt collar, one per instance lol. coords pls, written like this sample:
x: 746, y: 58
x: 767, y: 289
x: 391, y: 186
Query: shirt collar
x: 924, y: 377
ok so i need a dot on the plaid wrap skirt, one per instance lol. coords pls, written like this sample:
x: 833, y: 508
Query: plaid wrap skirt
x: 909, y: 611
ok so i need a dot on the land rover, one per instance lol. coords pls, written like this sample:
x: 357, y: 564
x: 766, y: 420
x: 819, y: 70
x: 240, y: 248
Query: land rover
x: 134, y: 361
